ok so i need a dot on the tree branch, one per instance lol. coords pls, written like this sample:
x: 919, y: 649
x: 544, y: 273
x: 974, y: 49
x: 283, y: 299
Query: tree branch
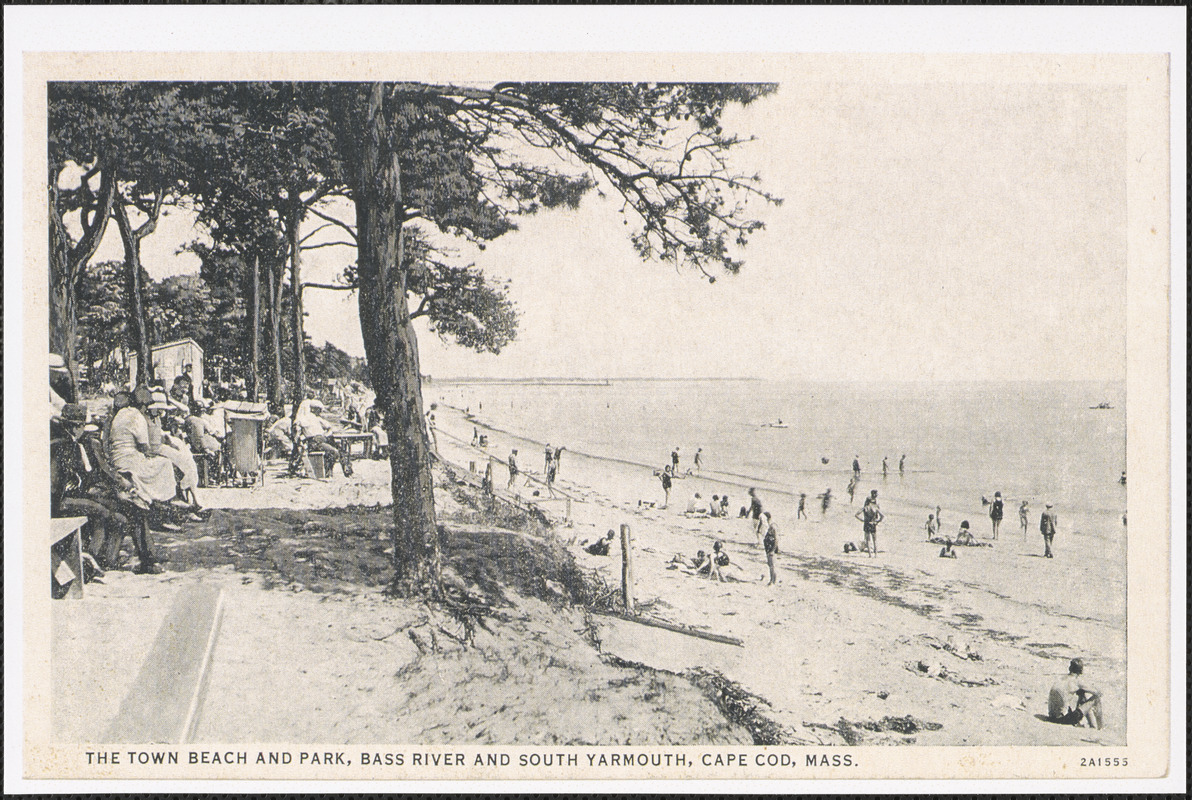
x: 351, y: 231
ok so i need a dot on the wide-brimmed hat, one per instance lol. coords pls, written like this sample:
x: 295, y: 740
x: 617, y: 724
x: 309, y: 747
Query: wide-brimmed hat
x: 160, y: 402
x: 57, y: 362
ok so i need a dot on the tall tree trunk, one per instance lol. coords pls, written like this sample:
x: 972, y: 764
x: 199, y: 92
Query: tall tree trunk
x: 276, y: 401
x: 67, y: 262
x: 392, y: 349
x: 254, y: 386
x: 135, y: 291
x: 295, y: 220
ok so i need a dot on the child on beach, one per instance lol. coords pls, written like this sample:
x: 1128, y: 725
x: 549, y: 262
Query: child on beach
x: 825, y: 500
x: 946, y: 551
x: 964, y: 536
x: 933, y: 527
x: 698, y: 458
x: 852, y: 489
x: 802, y: 506
x: 1023, y: 514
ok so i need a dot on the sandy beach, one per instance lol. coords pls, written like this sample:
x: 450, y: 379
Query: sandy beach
x: 1020, y: 617
x: 903, y: 648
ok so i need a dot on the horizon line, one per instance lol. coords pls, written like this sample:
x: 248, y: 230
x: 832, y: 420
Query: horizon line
x: 591, y: 379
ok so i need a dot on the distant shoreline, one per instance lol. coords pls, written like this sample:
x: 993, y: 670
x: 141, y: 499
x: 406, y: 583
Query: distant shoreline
x: 548, y: 381
x: 579, y: 381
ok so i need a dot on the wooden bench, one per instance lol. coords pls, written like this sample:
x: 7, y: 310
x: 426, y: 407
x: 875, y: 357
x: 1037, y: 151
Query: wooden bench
x: 165, y: 700
x: 66, y: 562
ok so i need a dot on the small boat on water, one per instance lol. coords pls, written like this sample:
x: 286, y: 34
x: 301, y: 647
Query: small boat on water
x: 778, y: 424
x: 1101, y: 406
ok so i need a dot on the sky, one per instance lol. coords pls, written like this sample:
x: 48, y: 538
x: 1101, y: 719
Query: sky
x: 927, y: 232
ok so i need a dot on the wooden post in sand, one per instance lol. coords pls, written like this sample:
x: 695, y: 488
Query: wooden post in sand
x: 626, y: 569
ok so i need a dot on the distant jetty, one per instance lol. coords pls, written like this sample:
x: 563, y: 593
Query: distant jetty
x: 1101, y: 407
x: 518, y: 381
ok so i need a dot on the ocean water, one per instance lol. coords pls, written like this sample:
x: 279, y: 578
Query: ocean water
x: 1037, y: 441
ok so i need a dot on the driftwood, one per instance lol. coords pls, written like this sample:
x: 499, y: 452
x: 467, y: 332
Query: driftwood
x: 670, y: 626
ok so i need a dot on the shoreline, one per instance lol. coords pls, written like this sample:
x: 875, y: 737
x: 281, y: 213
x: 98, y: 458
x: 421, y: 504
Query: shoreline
x: 880, y: 611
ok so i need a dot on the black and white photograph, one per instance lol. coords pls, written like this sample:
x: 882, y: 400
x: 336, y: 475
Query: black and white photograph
x: 594, y: 416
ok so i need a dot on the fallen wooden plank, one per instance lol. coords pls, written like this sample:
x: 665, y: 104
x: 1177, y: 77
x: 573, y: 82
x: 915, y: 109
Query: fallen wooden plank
x: 670, y: 626
x: 162, y: 707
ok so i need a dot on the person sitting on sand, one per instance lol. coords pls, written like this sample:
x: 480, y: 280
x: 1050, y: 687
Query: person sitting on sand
x: 713, y: 561
x: 724, y: 506
x: 600, y: 547
x: 964, y: 536
x: 1072, y: 701
x: 932, y: 526
x: 696, y: 505
x: 743, y: 513
x: 714, y: 506
x: 946, y: 551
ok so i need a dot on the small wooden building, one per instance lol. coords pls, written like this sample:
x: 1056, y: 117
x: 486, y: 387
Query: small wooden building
x: 171, y: 360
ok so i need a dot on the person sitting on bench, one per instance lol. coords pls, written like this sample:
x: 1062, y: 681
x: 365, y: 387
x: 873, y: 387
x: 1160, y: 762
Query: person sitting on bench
x: 83, y: 483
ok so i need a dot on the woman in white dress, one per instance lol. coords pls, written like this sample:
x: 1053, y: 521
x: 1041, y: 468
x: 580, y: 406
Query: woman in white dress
x: 131, y: 451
